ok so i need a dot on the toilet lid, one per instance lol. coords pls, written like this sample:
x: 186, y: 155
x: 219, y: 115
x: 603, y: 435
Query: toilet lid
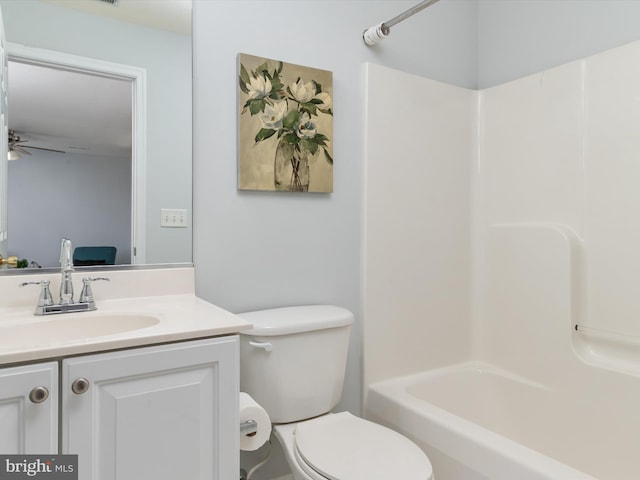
x: 344, y: 447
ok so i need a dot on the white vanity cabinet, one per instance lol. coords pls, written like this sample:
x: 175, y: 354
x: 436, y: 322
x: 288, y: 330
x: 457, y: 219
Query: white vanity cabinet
x: 29, y: 409
x: 162, y: 412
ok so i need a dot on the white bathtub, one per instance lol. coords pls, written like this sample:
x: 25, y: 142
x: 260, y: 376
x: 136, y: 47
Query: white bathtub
x: 477, y: 422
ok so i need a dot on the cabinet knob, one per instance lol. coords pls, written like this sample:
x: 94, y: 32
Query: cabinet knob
x: 39, y: 394
x: 80, y: 386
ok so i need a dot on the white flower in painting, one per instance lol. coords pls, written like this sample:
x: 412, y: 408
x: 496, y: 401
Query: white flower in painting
x: 305, y: 128
x: 325, y: 98
x: 259, y: 87
x: 303, y: 92
x: 273, y: 115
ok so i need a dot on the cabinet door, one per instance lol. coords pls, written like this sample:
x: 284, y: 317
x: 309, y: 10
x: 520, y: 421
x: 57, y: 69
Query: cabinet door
x: 29, y: 409
x: 164, y: 412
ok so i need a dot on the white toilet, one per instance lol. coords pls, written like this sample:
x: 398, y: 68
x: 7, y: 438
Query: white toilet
x: 292, y: 362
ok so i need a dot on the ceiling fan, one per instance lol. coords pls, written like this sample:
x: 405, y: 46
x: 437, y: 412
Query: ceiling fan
x: 17, y: 146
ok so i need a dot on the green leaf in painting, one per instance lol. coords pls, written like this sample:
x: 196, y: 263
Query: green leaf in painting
x: 309, y: 145
x: 290, y: 120
x: 276, y: 83
x: 244, y: 76
x: 328, y: 157
x: 243, y: 85
x: 310, y: 108
x: 256, y: 106
x: 320, y: 139
x: 291, y: 138
x: 262, y: 69
x: 264, y: 133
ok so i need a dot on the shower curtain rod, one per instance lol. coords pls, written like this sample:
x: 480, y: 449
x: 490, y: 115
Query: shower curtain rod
x: 373, y: 35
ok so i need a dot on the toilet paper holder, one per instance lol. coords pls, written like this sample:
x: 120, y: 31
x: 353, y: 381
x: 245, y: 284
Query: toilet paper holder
x: 249, y: 428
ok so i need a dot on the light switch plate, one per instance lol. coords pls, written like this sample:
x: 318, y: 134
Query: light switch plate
x: 173, y: 217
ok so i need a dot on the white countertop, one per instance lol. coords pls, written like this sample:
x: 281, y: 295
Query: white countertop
x: 165, y: 317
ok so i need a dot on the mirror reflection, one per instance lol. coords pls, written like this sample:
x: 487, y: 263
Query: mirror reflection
x: 70, y: 139
x: 85, y: 175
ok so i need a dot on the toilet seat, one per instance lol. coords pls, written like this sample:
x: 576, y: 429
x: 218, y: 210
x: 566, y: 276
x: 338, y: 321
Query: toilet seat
x: 342, y: 446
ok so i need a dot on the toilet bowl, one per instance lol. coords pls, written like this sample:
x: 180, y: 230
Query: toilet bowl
x: 342, y: 446
x: 292, y: 362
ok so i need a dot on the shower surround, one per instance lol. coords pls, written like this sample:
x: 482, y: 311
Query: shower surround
x: 507, y: 240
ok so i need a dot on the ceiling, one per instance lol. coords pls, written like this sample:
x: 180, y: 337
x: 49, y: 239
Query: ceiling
x: 170, y: 15
x: 70, y: 111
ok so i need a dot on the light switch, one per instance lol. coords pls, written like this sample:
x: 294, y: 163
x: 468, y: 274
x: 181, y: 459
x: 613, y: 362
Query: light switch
x: 173, y: 218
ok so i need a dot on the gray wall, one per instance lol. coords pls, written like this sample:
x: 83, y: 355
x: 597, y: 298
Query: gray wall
x: 521, y: 37
x: 39, y: 216
x: 255, y: 250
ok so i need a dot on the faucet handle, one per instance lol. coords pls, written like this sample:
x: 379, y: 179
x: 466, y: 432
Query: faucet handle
x: 45, y: 299
x: 86, y: 296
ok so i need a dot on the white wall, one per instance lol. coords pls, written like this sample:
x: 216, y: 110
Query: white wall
x: 554, y: 200
x: 558, y: 157
x: 420, y: 139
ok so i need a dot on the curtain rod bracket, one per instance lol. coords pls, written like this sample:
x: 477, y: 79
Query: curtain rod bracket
x: 373, y: 35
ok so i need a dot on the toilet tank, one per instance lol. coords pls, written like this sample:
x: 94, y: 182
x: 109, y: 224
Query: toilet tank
x: 292, y: 361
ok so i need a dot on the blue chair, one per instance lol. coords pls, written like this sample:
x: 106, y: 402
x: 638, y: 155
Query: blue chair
x: 87, y: 256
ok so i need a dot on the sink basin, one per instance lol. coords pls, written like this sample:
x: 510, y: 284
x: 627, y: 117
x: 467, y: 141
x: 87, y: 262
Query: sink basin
x: 72, y: 327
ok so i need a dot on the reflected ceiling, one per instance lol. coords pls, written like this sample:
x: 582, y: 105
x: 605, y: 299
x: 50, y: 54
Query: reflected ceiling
x: 174, y: 16
x: 70, y: 111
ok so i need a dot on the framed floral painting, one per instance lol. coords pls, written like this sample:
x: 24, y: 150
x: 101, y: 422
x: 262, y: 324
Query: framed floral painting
x: 285, y: 127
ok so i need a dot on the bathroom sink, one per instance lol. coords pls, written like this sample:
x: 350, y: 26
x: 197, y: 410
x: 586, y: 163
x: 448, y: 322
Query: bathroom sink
x: 72, y: 327
x: 138, y: 308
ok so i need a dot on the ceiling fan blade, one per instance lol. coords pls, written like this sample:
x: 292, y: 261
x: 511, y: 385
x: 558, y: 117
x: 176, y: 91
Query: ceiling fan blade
x: 15, y: 142
x: 41, y: 148
x: 19, y: 149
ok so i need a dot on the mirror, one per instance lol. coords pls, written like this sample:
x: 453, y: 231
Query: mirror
x: 160, y: 165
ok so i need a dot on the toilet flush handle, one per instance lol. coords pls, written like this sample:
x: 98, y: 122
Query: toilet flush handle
x: 265, y: 345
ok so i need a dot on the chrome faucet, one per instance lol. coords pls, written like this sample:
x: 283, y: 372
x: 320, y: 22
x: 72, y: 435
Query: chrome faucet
x: 86, y: 303
x: 66, y: 268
